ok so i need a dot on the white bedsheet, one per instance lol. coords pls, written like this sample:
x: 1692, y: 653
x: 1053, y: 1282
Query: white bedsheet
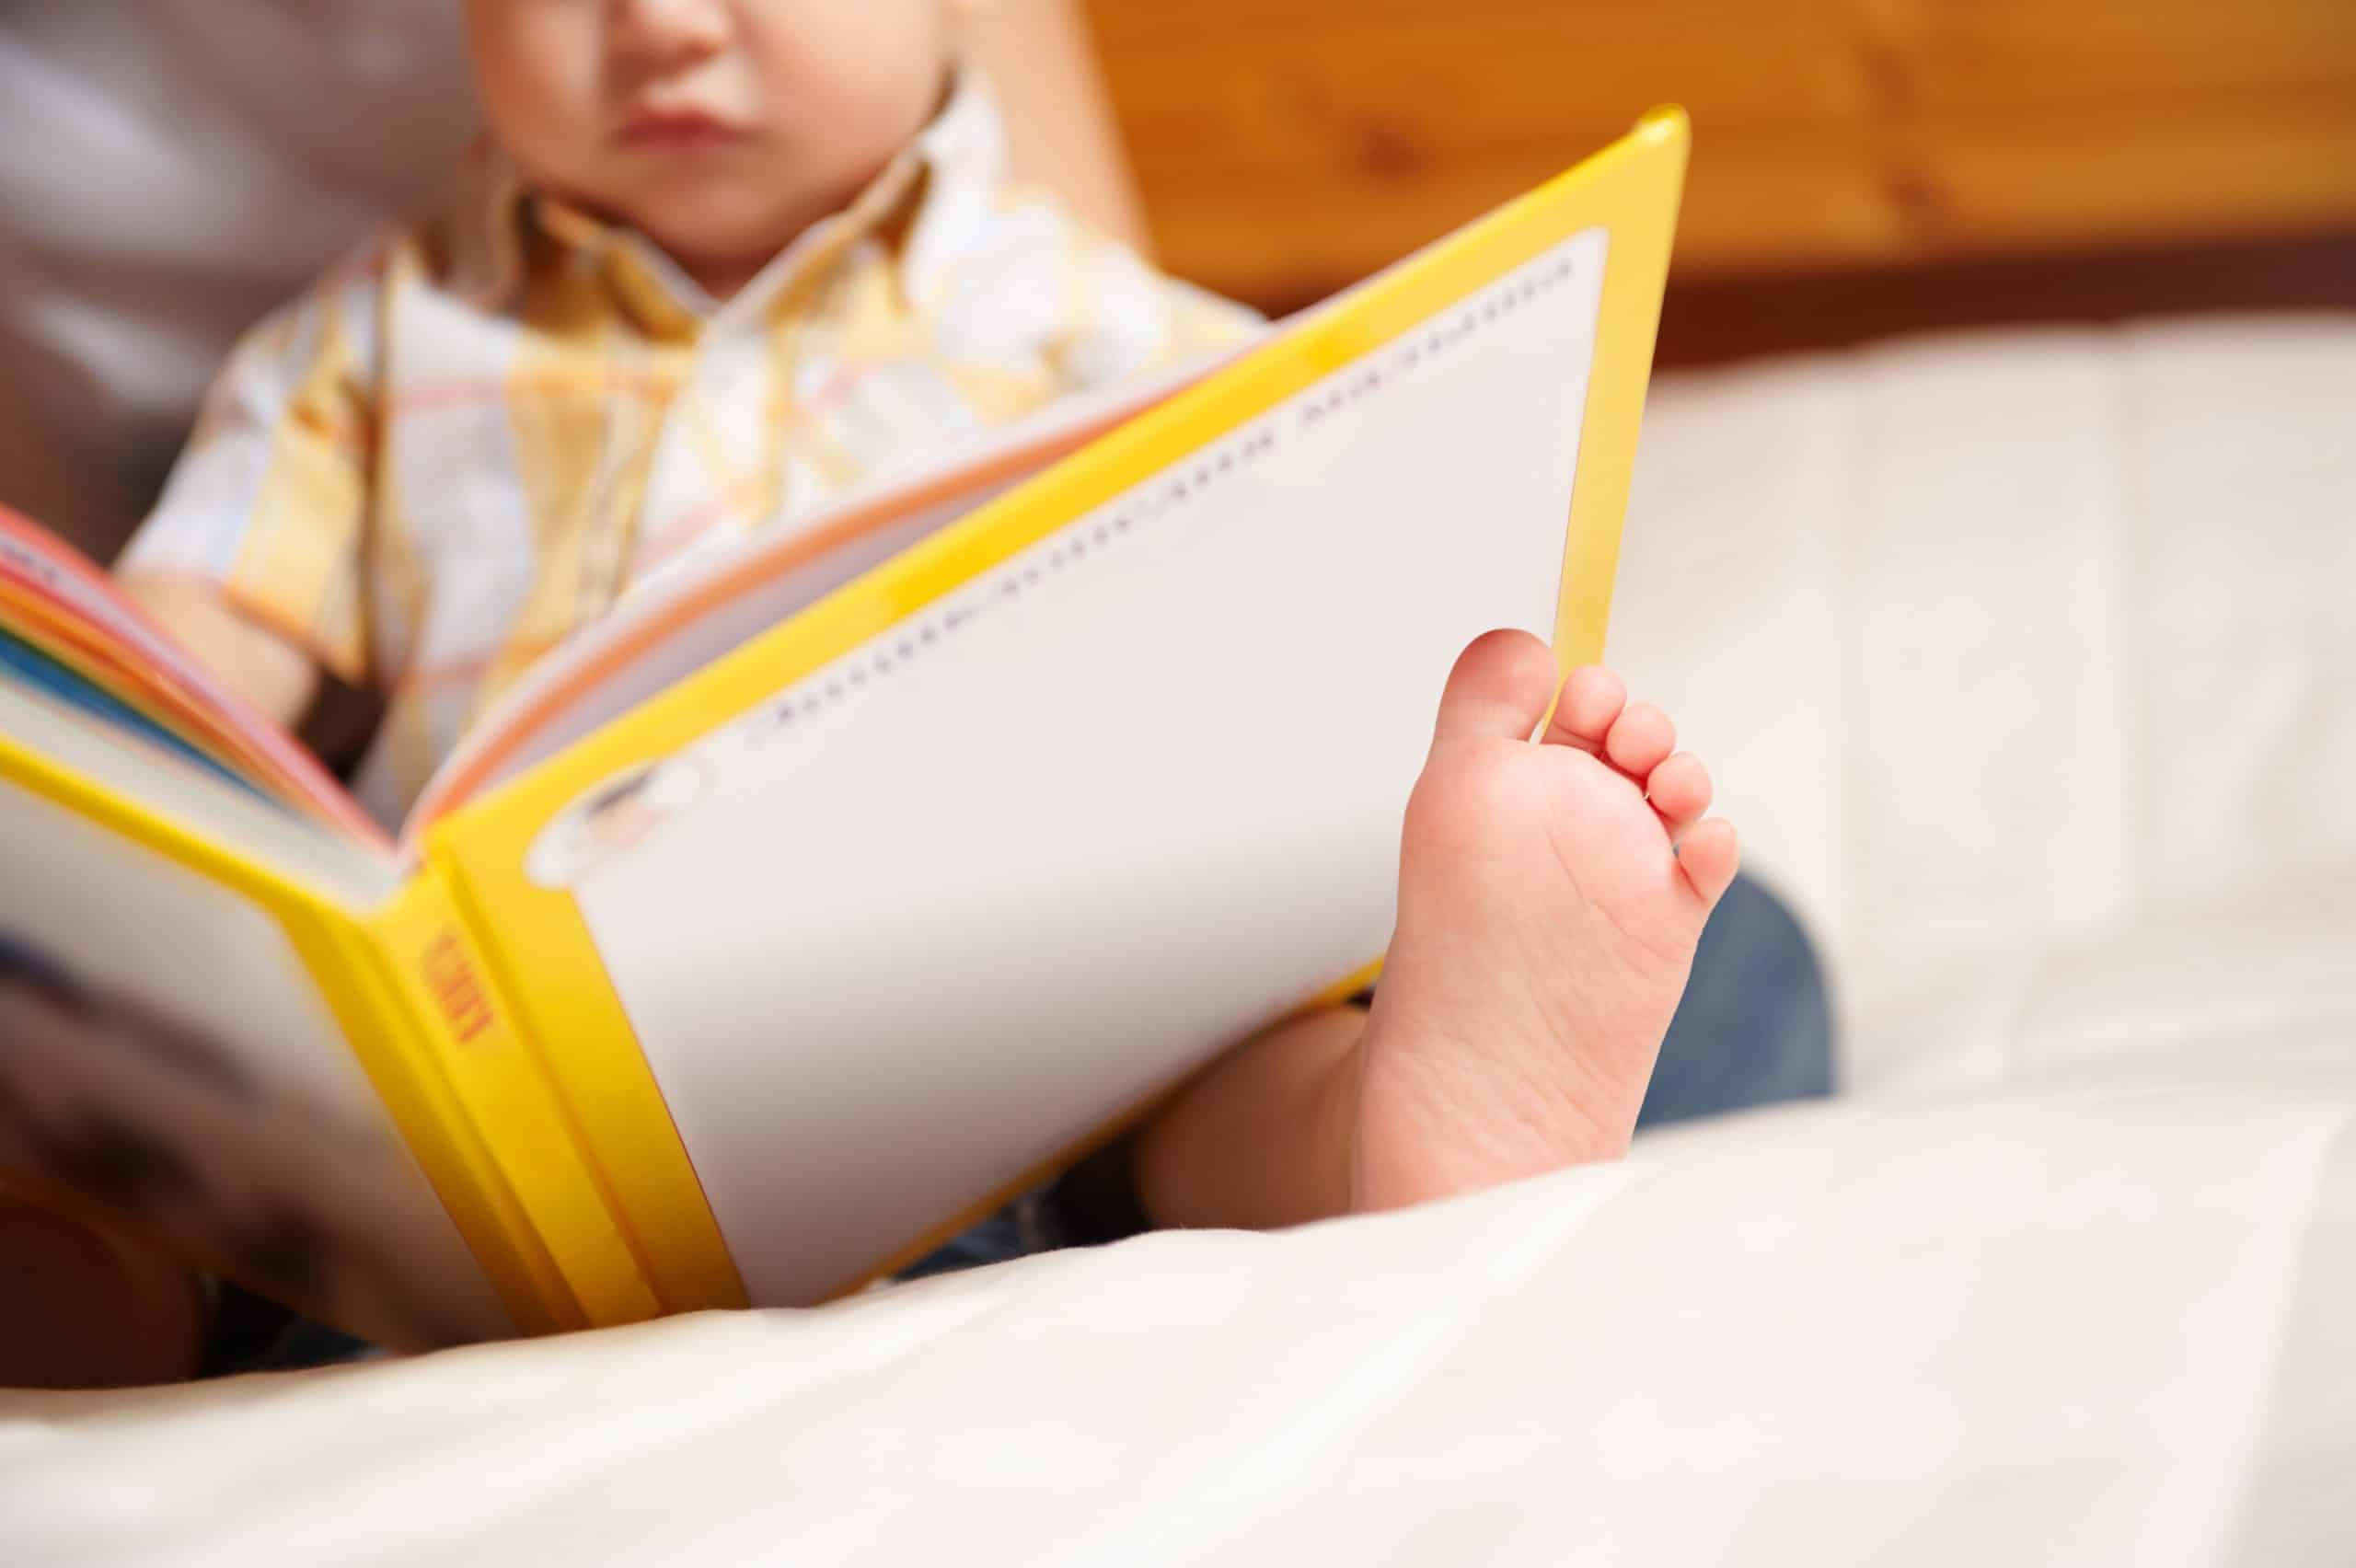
x: 2023, y: 664
x: 2002, y: 638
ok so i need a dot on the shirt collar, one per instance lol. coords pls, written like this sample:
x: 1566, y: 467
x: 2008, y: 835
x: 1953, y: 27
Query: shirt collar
x: 495, y: 219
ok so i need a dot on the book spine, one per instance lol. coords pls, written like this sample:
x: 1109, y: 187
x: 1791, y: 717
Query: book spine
x: 496, y: 1137
x: 654, y: 1245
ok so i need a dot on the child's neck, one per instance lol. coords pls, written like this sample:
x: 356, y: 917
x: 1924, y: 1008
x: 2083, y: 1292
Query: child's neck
x: 724, y: 281
x: 726, y: 277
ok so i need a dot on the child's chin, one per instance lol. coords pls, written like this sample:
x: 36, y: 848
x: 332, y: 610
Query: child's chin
x: 693, y: 225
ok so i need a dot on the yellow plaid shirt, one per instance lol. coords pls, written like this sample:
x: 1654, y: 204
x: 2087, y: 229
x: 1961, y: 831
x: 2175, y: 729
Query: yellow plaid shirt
x: 475, y: 436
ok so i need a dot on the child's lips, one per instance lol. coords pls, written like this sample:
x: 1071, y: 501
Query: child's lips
x: 678, y: 130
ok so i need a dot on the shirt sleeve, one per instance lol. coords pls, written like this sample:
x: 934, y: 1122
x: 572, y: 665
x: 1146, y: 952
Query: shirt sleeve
x: 269, y: 503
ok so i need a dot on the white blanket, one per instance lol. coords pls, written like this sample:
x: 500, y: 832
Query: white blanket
x: 2004, y: 638
x: 2023, y: 662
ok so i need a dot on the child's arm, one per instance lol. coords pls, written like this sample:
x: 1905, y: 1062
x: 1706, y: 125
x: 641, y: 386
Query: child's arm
x: 276, y: 676
x: 253, y: 559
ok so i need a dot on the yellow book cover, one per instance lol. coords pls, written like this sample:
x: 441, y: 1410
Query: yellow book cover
x: 841, y: 885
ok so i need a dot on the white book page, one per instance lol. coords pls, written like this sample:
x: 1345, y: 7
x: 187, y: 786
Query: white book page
x: 940, y: 909
x: 723, y: 594
x: 162, y: 1048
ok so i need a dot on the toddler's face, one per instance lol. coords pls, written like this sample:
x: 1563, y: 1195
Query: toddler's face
x: 720, y: 129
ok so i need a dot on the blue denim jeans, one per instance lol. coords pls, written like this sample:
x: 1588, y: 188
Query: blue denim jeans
x: 1753, y: 1029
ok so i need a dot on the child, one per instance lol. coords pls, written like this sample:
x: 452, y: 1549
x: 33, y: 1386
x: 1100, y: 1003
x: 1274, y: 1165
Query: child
x: 733, y: 255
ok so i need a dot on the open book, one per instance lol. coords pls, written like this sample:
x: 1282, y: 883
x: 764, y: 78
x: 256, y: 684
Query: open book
x: 839, y: 885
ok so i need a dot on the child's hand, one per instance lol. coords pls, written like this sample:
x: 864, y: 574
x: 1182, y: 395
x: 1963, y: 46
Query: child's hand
x: 271, y: 671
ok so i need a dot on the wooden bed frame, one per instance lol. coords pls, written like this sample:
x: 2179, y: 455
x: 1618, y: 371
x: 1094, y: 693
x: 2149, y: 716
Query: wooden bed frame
x: 1860, y: 164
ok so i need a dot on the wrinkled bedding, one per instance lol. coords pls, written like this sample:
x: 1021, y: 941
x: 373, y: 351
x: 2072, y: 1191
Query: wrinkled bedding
x: 2023, y: 661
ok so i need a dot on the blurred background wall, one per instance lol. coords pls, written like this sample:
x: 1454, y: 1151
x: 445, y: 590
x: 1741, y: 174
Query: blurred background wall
x: 1861, y: 166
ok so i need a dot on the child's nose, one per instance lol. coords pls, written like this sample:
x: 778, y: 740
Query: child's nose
x: 664, y: 35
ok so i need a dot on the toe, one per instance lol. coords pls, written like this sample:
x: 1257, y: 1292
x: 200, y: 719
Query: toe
x: 1680, y: 790
x: 1707, y: 857
x: 1640, y: 741
x: 1592, y: 698
x: 1500, y: 687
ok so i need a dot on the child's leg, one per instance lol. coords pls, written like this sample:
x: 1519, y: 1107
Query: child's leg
x: 1550, y: 897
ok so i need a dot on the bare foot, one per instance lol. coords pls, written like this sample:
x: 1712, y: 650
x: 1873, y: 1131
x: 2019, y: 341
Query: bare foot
x: 1550, y: 896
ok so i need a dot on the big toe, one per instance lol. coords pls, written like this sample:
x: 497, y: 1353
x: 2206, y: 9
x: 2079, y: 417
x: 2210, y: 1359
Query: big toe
x: 1500, y: 688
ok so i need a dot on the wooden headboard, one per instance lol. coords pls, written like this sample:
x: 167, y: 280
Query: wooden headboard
x: 1286, y: 147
